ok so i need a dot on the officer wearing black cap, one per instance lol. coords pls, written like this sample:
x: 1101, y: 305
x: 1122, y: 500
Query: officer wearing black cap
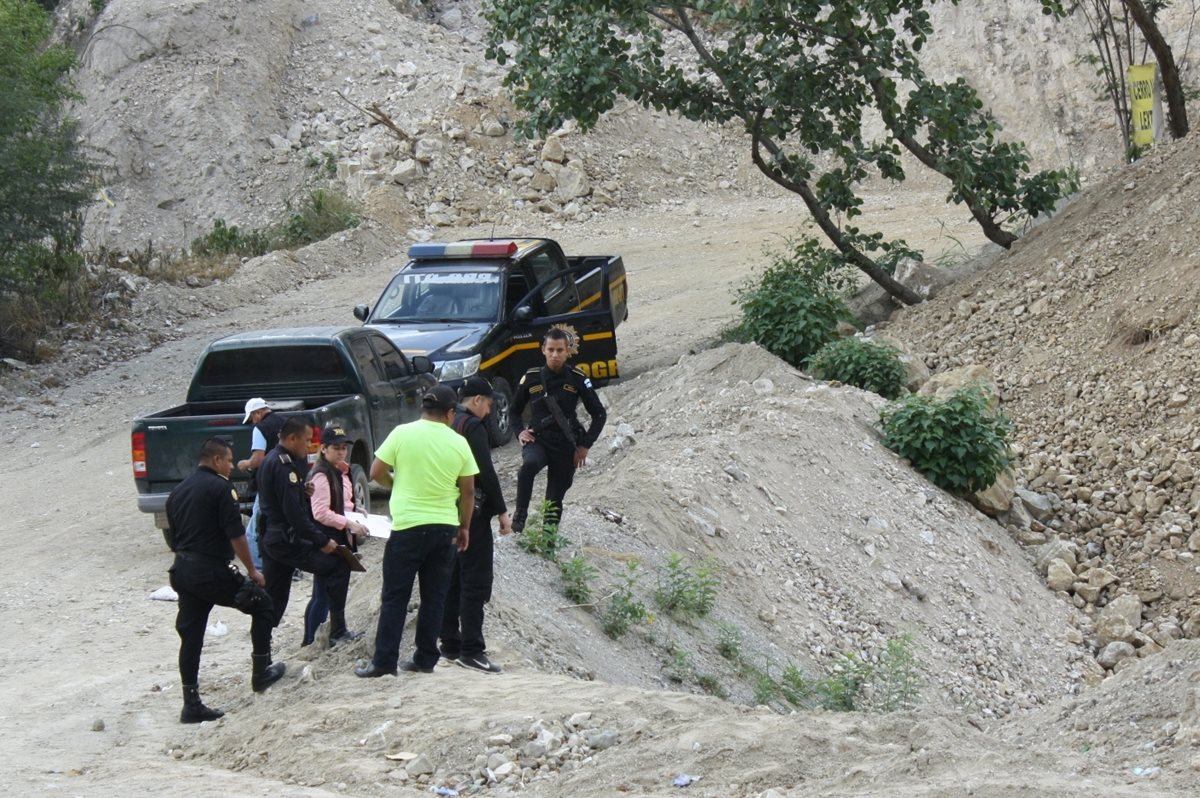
x: 554, y: 439
x: 207, y: 527
x: 290, y: 539
x: 471, y: 578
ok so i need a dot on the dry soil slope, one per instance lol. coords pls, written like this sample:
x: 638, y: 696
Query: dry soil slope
x: 1090, y: 326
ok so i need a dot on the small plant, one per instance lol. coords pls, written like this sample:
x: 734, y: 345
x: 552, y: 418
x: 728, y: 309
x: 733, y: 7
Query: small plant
x: 861, y: 363
x: 686, y: 592
x: 98, y: 6
x: 322, y: 214
x: 765, y: 688
x: 540, y: 535
x: 678, y: 669
x: 959, y: 443
x: 853, y: 684
x: 226, y: 239
x: 897, y: 677
x: 729, y: 642
x: 623, y: 609
x: 820, y: 269
x: 577, y: 574
x: 792, y: 309
x: 712, y: 685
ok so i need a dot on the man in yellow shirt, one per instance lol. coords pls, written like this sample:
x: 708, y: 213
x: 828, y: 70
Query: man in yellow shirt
x: 431, y: 472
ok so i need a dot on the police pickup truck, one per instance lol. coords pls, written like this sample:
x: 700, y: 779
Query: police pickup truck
x: 353, y: 377
x: 482, y: 306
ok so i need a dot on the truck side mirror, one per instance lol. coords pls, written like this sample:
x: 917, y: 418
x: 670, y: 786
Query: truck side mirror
x: 421, y: 364
x: 523, y: 314
x: 361, y: 312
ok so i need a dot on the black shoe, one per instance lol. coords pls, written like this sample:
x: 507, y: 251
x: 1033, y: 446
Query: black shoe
x: 263, y: 679
x: 373, y: 671
x: 518, y: 522
x: 479, y: 662
x: 198, y: 713
x: 412, y: 667
x: 346, y: 636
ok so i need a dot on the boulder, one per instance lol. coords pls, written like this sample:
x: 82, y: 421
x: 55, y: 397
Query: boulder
x: 1114, y: 628
x: 1057, y: 549
x: 553, y: 150
x: 572, y: 183
x: 1113, y: 653
x: 1059, y: 576
x: 943, y: 384
x: 998, y: 497
x: 1039, y: 506
x: 1127, y: 607
x: 406, y: 172
x: 426, y: 148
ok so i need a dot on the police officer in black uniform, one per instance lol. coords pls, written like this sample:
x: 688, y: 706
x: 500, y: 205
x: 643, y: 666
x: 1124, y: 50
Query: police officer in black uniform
x: 290, y: 538
x: 554, y: 439
x: 207, y: 527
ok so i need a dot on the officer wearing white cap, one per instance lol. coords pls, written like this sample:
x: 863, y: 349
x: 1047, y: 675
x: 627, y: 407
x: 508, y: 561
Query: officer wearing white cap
x: 265, y: 436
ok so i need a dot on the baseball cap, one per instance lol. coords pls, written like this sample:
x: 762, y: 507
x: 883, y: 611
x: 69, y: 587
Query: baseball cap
x: 334, y: 434
x: 476, y: 386
x: 257, y: 403
x: 441, y: 397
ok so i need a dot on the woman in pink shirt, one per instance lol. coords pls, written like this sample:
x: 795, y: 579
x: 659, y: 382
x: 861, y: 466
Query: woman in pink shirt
x: 332, y: 497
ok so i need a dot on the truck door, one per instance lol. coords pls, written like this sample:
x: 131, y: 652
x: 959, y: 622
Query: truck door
x: 382, y: 399
x: 399, y: 373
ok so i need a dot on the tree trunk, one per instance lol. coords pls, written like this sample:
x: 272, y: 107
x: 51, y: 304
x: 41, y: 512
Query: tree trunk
x: 1177, y: 121
x: 830, y: 228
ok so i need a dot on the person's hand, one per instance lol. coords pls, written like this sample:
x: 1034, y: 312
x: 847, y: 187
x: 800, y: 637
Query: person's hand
x: 581, y: 453
x: 330, y: 546
x: 243, y: 465
x: 526, y: 436
x: 505, y: 524
x: 464, y: 538
x: 359, y: 530
x: 309, y: 489
x: 257, y: 577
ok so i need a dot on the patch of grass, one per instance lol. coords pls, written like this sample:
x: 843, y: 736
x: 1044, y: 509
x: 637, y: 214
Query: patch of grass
x: 729, y: 642
x: 623, y: 609
x: 678, y: 668
x: 853, y: 684
x: 577, y: 574
x: 711, y: 685
x: 320, y: 215
x: 686, y: 591
x: 540, y: 535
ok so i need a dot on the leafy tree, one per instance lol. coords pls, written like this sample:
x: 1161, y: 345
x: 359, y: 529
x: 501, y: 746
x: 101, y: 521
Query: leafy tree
x: 804, y: 79
x: 43, y: 176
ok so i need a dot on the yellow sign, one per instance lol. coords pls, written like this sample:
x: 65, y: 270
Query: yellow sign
x: 1144, y: 104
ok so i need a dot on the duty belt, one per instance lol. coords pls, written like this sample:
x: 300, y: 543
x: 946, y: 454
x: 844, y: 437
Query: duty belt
x: 191, y: 556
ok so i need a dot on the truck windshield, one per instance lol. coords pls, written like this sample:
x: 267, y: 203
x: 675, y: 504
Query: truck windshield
x: 272, y: 365
x: 419, y: 295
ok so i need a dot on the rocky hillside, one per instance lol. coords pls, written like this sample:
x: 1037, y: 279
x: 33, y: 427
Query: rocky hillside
x: 1091, y: 331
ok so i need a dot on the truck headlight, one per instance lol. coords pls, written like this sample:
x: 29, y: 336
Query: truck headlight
x: 449, y: 370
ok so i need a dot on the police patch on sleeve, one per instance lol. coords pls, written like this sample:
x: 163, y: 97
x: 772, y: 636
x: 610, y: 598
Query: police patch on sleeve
x: 233, y: 493
x: 587, y: 383
x: 292, y: 477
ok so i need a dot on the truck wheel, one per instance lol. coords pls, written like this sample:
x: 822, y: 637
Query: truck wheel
x: 500, y: 429
x: 362, y: 489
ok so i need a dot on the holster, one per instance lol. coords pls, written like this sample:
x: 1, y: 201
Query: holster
x: 250, y: 597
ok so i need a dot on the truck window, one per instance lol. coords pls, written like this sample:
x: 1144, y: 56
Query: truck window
x: 424, y: 295
x: 365, y: 358
x: 558, y: 295
x: 273, y: 365
x: 394, y: 366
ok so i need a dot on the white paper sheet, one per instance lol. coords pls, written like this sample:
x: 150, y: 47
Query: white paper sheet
x: 380, y: 526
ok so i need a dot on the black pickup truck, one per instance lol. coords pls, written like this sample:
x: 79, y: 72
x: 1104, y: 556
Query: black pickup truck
x: 353, y: 377
x: 482, y: 306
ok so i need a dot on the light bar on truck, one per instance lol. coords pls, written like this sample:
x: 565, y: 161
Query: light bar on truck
x: 463, y: 249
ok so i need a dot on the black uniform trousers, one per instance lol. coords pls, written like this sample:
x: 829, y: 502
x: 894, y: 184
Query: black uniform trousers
x: 280, y: 562
x: 317, y: 610
x: 559, y: 462
x: 424, y: 552
x: 203, y: 582
x: 470, y: 588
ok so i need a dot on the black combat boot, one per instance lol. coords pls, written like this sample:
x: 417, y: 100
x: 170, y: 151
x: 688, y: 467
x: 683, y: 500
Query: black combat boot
x: 518, y: 522
x: 265, y: 673
x: 194, y: 710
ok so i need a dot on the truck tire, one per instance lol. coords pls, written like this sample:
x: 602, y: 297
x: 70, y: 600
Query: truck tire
x: 362, y: 488
x: 500, y: 427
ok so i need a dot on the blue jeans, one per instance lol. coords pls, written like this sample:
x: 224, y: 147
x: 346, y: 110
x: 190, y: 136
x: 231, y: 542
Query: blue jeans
x: 252, y: 536
x: 425, y: 552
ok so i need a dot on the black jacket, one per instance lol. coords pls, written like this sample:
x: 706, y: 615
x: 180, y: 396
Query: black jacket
x: 487, y: 482
x: 203, y: 514
x: 283, y: 504
x: 567, y: 388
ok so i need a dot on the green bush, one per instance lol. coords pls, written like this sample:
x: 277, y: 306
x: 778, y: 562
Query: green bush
x: 861, y: 363
x: 685, y: 591
x: 791, y: 309
x: 226, y: 239
x: 818, y: 268
x: 540, y: 535
x: 729, y: 642
x: 577, y: 574
x: 623, y: 609
x: 853, y: 684
x: 321, y: 214
x: 959, y: 443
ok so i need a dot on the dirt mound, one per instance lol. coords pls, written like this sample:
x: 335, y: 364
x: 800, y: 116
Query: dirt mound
x: 1091, y: 330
